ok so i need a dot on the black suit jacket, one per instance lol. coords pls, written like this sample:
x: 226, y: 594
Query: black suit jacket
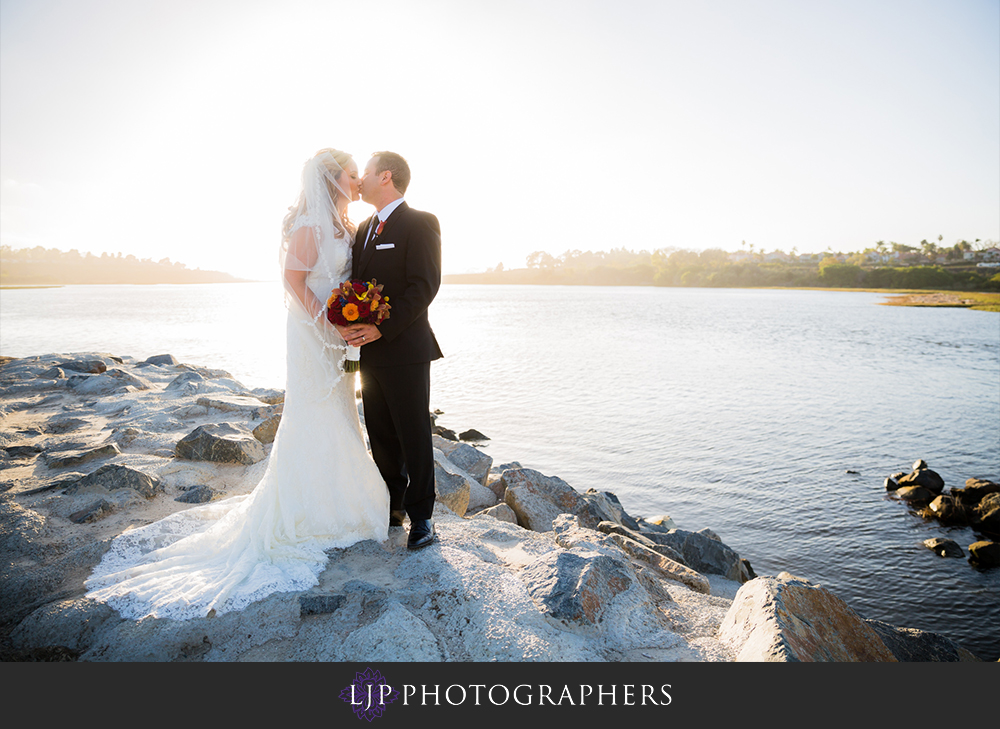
x: 406, y: 259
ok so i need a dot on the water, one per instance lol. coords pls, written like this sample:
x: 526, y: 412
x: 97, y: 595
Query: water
x: 738, y: 410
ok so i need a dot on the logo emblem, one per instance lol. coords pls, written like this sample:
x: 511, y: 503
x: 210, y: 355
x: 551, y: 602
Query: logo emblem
x: 369, y: 694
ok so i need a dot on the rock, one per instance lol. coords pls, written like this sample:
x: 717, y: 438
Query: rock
x: 185, y: 381
x: 703, y: 554
x: 607, y: 527
x: 266, y: 431
x: 472, y: 434
x: 480, y: 497
x: 943, y: 547
x: 96, y: 511
x: 90, y: 366
x: 111, y: 382
x: 220, y: 443
x: 112, y: 477
x: 924, y: 477
x: 919, y: 464
x: 912, y: 645
x: 268, y: 395
x: 317, y: 604
x: 749, y: 568
x: 786, y: 619
x: 397, y: 635
x: 915, y: 494
x: 53, y: 373
x: 576, y: 587
x: 25, y: 451
x: 890, y: 485
x: 68, y: 459
x: 607, y: 507
x: 230, y: 403
x: 986, y: 515
x: 471, y: 460
x: 200, y: 494
x: 945, y: 509
x: 984, y: 554
x: 975, y: 490
x: 669, y: 568
x: 20, y: 529
x: 660, y: 523
x: 59, y: 425
x: 538, y: 499
x: 501, y: 512
x: 444, y: 432
x: 452, y: 485
x: 161, y: 359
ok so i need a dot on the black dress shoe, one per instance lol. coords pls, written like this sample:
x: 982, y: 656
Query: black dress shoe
x: 421, y: 533
x: 396, y: 518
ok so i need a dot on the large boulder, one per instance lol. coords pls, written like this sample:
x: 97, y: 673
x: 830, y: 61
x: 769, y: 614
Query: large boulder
x: 538, y: 499
x: 944, y: 509
x: 912, y: 645
x: 608, y: 508
x: 88, y: 366
x: 986, y: 515
x: 984, y: 553
x: 975, y: 490
x: 576, y: 587
x: 266, y: 431
x: 161, y: 360
x: 669, y: 568
x: 113, y: 477
x: 944, y: 547
x: 109, y: 383
x: 220, y: 443
x: 787, y: 619
x: 471, y: 460
x: 452, y: 485
x: 702, y: 553
x: 916, y: 495
x: 925, y: 477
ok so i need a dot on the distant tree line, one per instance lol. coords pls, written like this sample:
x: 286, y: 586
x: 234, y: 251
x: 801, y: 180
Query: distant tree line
x: 892, y: 266
x: 49, y: 266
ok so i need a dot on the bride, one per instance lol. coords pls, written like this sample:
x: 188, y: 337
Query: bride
x: 320, y: 490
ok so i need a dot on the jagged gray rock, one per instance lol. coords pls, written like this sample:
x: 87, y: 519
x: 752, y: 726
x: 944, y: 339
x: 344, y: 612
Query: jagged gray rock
x: 112, y: 477
x: 470, y: 459
x: 220, y: 443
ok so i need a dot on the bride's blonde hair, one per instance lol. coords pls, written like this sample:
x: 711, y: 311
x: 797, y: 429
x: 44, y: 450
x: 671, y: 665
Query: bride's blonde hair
x: 335, y: 161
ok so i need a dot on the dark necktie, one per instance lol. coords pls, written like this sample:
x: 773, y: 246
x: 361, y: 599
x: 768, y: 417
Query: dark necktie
x: 377, y: 229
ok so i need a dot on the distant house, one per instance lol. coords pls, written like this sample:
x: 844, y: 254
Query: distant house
x: 991, y: 254
x: 809, y: 256
x: 970, y: 255
x: 776, y: 256
x: 739, y: 256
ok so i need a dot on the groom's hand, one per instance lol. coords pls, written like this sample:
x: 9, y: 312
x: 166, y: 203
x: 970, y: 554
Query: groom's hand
x: 358, y: 335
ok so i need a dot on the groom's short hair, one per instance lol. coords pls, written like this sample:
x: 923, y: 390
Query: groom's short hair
x: 397, y: 166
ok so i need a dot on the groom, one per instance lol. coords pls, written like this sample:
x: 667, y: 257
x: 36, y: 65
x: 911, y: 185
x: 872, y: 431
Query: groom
x: 401, y: 248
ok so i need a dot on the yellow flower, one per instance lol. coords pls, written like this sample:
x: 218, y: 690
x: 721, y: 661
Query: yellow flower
x: 351, y: 312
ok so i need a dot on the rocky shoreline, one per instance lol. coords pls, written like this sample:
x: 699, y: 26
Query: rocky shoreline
x: 527, y: 568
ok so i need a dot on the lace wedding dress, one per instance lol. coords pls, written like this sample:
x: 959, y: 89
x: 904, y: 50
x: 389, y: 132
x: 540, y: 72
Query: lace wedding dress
x: 320, y: 490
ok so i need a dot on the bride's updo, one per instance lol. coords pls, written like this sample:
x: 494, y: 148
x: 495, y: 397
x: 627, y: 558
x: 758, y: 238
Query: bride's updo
x: 335, y: 161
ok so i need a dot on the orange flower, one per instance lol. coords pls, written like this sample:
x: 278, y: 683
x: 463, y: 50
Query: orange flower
x: 351, y: 312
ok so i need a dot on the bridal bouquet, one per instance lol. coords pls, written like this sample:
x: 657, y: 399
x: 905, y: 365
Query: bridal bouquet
x: 357, y: 302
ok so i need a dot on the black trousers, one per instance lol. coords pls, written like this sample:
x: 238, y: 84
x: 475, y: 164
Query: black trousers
x: 397, y: 415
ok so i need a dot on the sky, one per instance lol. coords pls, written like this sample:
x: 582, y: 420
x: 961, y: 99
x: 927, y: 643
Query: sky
x: 179, y: 129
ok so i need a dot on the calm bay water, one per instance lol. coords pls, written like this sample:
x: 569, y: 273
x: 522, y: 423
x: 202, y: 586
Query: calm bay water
x: 738, y: 410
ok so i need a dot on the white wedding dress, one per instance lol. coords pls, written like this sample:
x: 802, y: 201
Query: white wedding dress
x: 320, y: 490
